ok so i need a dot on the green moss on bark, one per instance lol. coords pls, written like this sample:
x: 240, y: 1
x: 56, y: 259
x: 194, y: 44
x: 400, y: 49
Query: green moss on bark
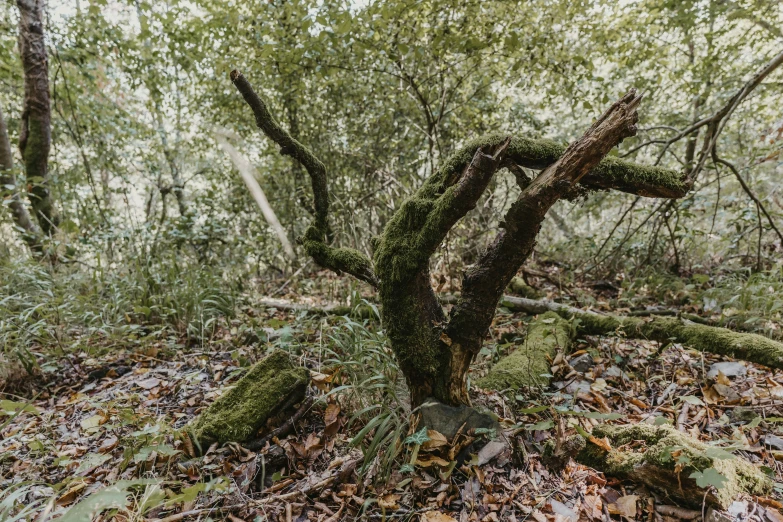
x: 612, y: 172
x: 525, y: 366
x: 244, y: 408
x: 519, y: 287
x: 746, y: 346
x: 664, y: 458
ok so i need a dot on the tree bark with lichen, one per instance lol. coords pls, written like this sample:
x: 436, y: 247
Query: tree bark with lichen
x: 435, y: 350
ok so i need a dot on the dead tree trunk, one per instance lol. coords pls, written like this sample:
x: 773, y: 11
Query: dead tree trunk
x: 36, y: 136
x: 435, y: 351
x: 30, y: 232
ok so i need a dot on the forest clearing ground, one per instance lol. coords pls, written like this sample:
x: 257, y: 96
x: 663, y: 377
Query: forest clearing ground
x: 115, y: 416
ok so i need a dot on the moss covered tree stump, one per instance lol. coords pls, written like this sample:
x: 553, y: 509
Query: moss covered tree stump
x: 271, y: 385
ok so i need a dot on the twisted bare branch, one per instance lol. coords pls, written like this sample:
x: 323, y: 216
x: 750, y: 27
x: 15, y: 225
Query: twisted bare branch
x: 314, y: 240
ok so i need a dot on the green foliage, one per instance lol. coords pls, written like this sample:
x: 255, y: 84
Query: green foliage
x: 115, y: 496
x: 72, y: 309
x: 372, y: 389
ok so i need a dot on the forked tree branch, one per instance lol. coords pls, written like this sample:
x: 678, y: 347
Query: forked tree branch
x: 484, y: 283
x: 314, y: 240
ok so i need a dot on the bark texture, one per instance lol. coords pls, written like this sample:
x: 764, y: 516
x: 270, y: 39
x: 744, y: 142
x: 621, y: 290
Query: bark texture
x: 30, y: 232
x: 721, y: 341
x: 36, y: 136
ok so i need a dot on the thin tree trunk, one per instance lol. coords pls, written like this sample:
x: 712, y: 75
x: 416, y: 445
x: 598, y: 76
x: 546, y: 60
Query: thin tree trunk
x: 30, y: 232
x: 36, y: 136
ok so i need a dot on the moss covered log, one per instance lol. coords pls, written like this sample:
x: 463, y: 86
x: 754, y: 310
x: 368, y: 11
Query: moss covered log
x: 712, y: 339
x: 518, y: 286
x: 526, y: 365
x: 663, y: 458
x: 243, y: 409
x: 611, y: 173
x: 746, y: 346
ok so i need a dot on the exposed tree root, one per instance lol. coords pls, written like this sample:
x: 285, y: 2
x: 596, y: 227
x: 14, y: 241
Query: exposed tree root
x: 746, y: 346
x: 664, y: 459
x: 270, y: 386
x: 527, y: 365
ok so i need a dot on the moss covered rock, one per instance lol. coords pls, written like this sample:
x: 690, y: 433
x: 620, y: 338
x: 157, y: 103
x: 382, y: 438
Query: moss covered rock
x: 243, y: 409
x: 525, y: 366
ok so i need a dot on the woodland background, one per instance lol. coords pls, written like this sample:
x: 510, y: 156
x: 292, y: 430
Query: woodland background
x: 162, y: 254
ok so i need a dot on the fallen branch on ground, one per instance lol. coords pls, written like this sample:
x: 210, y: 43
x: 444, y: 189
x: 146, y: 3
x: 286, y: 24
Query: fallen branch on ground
x: 527, y: 365
x: 721, y: 341
x: 662, y: 458
x: 271, y: 386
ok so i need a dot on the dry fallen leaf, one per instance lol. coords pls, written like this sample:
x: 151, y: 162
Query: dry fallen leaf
x: 436, y: 516
x: 389, y: 501
x: 624, y: 506
x: 91, y: 423
x: 601, y: 443
x: 426, y: 461
x: 149, y: 383
x: 108, y: 444
x: 322, y: 381
x: 331, y: 420
x: 437, y: 440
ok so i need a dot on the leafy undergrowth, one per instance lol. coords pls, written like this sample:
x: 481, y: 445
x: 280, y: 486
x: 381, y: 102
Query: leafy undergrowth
x: 99, y: 438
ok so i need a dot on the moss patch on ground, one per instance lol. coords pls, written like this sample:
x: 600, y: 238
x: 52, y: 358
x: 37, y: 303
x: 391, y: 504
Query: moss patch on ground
x: 243, y: 409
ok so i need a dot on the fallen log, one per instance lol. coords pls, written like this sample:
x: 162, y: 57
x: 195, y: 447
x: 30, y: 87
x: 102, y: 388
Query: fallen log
x: 269, y: 387
x: 518, y: 286
x: 662, y: 458
x: 721, y: 341
x: 529, y: 364
x: 685, y: 329
x: 362, y: 311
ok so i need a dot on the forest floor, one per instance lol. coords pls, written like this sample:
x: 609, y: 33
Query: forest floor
x: 102, y: 433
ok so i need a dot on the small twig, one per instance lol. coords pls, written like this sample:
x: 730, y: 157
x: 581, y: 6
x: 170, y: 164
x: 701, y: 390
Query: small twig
x: 682, y: 418
x: 749, y: 192
x: 193, y: 512
x: 257, y: 444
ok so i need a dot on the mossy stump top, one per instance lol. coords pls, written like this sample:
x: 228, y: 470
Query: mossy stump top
x: 243, y: 409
